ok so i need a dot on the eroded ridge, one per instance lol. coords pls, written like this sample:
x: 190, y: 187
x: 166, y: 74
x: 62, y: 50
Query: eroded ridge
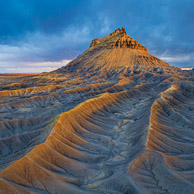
x: 166, y: 166
x: 114, y: 120
x: 27, y: 115
x: 89, y: 148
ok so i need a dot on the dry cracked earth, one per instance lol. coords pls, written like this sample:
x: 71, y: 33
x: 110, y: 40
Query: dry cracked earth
x: 114, y: 120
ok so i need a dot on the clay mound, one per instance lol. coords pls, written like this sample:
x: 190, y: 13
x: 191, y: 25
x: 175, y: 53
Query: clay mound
x: 114, y: 120
x: 115, y: 55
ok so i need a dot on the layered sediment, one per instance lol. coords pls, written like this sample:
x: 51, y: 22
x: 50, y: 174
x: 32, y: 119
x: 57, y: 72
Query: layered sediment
x: 114, y: 120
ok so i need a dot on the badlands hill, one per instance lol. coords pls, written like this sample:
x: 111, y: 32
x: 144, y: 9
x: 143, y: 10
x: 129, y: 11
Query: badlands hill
x: 114, y: 120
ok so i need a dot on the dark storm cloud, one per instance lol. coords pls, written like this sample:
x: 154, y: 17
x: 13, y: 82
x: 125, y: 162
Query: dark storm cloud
x: 19, y: 17
x: 38, y: 31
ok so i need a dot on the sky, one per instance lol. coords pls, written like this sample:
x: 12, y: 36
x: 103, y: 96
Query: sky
x: 43, y: 35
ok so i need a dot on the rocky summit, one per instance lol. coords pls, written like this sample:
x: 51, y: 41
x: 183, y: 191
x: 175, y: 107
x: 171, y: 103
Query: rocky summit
x: 114, y: 120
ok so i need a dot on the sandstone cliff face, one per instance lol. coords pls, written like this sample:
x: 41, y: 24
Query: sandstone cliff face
x: 127, y: 42
x: 95, y: 42
x: 114, y: 120
x: 117, y: 39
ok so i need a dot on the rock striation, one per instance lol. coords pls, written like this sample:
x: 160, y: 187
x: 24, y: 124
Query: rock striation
x: 121, y: 40
x: 114, y: 120
x: 115, y: 55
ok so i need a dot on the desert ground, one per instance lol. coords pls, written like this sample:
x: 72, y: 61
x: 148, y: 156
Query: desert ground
x: 114, y: 120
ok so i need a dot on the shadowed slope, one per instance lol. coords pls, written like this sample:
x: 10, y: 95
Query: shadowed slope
x: 167, y: 163
x: 83, y: 146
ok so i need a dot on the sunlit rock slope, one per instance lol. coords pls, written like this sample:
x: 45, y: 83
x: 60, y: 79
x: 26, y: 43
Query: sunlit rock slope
x: 114, y: 120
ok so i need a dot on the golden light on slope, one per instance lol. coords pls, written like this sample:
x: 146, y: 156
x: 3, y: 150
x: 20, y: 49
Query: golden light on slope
x: 114, y: 120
